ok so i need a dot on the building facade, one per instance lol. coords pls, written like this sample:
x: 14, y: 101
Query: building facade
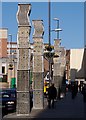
x: 77, y: 64
x: 8, y: 55
x: 3, y: 57
x: 7, y: 50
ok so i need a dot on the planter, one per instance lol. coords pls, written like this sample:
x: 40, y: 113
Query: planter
x: 49, y: 48
x: 10, y: 67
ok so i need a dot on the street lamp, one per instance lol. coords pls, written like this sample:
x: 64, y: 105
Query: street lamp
x: 10, y: 55
x: 49, y: 50
x: 10, y: 66
x: 57, y: 27
x: 10, y: 42
x: 49, y: 22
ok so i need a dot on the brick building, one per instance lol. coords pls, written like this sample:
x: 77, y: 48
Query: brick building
x: 3, y: 57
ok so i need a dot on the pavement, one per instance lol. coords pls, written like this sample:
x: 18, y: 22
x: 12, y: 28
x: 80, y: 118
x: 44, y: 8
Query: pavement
x: 66, y: 108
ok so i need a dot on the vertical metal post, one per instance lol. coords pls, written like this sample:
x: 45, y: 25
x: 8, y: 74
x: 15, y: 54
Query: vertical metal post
x: 49, y: 22
x: 49, y: 16
x: 10, y: 57
x: 57, y: 28
x: 10, y: 45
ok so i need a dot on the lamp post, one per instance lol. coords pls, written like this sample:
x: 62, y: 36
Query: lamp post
x: 49, y: 30
x: 49, y: 22
x: 10, y: 53
x: 57, y: 27
x: 10, y: 45
x: 10, y: 58
x: 56, y: 30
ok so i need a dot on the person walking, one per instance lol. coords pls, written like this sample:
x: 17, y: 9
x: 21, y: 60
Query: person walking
x: 84, y: 92
x: 52, y: 94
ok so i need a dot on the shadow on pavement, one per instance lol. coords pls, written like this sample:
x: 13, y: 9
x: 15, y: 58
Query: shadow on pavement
x: 65, y: 109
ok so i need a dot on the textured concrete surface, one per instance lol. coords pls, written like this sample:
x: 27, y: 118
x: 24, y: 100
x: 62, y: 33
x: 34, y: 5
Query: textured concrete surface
x: 38, y: 65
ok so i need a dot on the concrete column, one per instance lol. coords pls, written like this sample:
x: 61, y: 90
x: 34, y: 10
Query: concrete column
x: 23, y: 68
x: 63, y: 61
x: 1, y: 68
x: 38, y: 65
x: 57, y: 70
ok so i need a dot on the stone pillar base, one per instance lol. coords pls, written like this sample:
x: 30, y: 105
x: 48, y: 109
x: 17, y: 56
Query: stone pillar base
x: 23, y: 103
x: 38, y: 99
x: 38, y: 95
x: 20, y: 115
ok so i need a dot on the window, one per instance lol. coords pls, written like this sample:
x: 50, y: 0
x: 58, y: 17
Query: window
x: 3, y: 69
x: 4, y: 79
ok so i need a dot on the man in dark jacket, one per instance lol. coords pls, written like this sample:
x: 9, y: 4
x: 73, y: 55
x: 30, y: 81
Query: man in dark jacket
x: 52, y: 94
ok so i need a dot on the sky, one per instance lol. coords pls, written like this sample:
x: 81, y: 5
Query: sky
x: 70, y: 15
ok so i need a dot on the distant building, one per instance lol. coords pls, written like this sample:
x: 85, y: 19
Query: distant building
x: 77, y: 64
x: 3, y: 57
x: 8, y: 50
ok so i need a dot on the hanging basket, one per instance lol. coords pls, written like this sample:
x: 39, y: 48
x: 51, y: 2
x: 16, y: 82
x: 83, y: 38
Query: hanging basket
x: 49, y: 48
x: 10, y: 66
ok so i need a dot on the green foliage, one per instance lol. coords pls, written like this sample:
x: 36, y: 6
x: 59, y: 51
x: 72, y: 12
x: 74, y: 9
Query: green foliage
x: 0, y: 79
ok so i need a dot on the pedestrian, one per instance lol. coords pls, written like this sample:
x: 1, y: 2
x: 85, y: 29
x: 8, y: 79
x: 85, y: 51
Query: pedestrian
x: 31, y: 98
x: 84, y: 92
x: 52, y: 94
x: 74, y: 90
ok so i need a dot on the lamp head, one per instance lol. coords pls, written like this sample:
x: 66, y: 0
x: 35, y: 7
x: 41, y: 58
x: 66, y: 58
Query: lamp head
x: 58, y: 29
x: 55, y: 18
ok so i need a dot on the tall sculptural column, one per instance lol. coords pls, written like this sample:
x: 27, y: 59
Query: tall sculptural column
x: 56, y: 60
x: 38, y: 65
x: 23, y: 69
x: 63, y: 63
